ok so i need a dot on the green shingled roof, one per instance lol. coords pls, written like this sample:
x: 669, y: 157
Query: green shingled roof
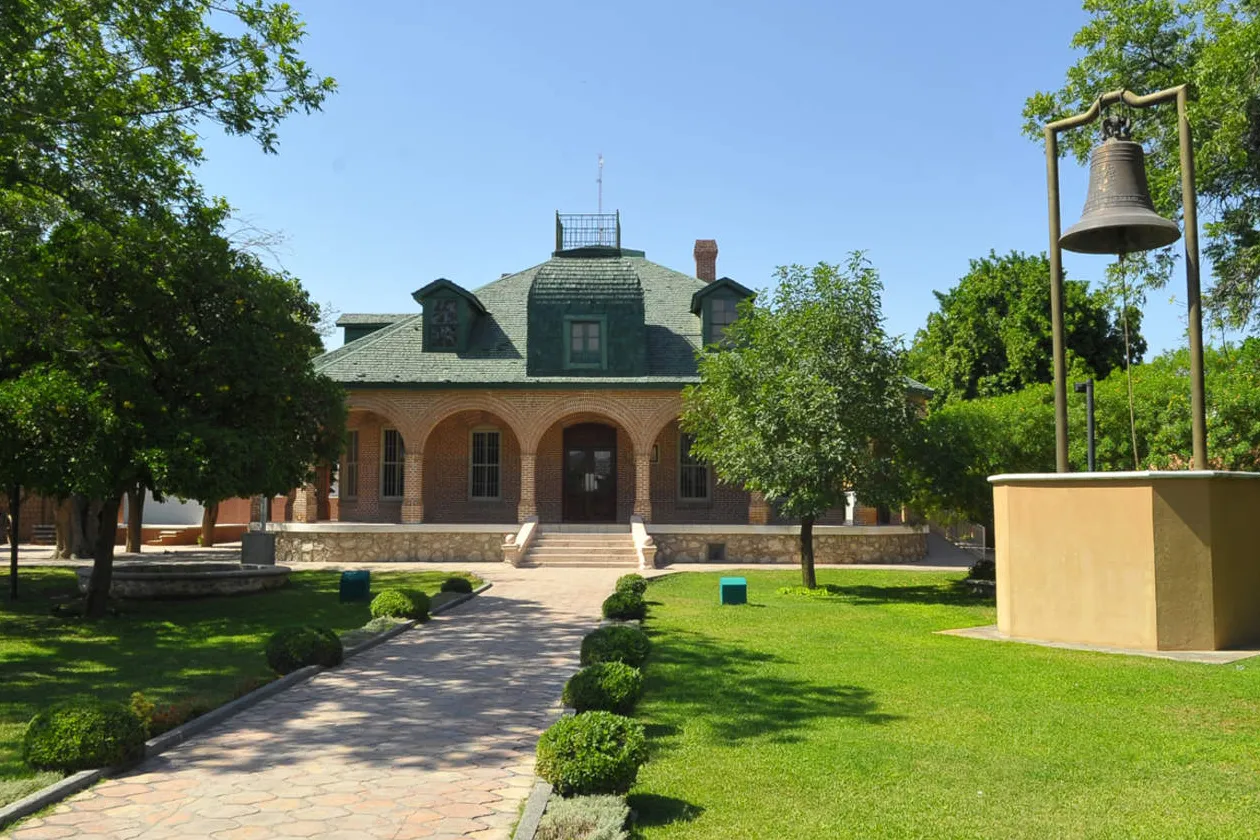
x: 394, y: 356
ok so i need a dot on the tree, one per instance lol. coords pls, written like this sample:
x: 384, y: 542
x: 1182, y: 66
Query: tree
x: 992, y: 333
x: 101, y: 104
x: 51, y: 430
x: 98, y: 100
x: 961, y: 444
x: 211, y: 395
x: 1149, y: 45
x: 807, y: 399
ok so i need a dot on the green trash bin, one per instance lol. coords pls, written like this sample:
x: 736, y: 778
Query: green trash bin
x: 356, y: 586
x: 733, y: 590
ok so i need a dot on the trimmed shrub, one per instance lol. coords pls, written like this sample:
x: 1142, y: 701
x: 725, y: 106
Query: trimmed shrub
x: 636, y: 584
x: 462, y: 586
x: 625, y: 606
x: 83, y: 735
x: 401, y: 603
x: 606, y: 686
x: 616, y: 643
x: 296, y: 647
x: 983, y: 570
x: 584, y: 818
x: 598, y: 752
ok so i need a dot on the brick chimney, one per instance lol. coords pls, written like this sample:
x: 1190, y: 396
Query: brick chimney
x: 706, y: 259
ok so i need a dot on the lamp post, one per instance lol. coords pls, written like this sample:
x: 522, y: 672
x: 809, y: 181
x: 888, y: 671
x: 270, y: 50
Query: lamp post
x: 1123, y: 233
x: 1087, y: 388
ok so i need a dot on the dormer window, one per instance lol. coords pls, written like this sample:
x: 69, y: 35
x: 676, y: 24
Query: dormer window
x: 722, y: 313
x: 717, y: 304
x: 450, y: 313
x: 585, y: 343
x: 443, y: 324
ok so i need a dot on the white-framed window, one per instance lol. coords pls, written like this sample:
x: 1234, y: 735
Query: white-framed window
x: 722, y: 313
x: 393, y: 457
x: 485, y: 465
x: 349, y: 478
x: 693, y: 474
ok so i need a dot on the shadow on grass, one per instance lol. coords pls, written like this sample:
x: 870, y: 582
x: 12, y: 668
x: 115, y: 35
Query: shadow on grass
x: 955, y: 593
x: 197, y: 653
x: 739, y: 694
x: 652, y: 809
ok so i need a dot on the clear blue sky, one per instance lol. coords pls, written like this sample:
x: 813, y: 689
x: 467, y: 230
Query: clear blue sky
x: 790, y: 132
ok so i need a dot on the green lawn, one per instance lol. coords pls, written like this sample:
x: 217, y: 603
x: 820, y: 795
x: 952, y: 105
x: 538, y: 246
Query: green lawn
x: 798, y: 717
x: 199, y: 652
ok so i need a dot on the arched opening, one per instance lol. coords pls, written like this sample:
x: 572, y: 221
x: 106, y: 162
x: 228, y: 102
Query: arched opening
x: 371, y: 476
x: 472, y: 469
x: 584, y: 471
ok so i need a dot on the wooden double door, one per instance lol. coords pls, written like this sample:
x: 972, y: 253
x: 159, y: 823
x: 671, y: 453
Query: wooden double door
x: 590, y: 473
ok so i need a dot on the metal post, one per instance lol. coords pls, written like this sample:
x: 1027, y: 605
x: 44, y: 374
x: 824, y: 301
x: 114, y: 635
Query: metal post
x: 1087, y: 388
x: 1189, y: 202
x: 1056, y: 304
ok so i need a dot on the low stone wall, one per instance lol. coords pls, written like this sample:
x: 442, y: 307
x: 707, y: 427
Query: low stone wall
x: 781, y: 544
x: 346, y: 544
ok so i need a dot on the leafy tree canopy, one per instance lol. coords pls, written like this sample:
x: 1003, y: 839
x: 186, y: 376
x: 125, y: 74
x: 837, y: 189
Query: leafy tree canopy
x: 1149, y: 45
x: 992, y: 332
x: 806, y: 400
x: 99, y: 98
x: 961, y: 444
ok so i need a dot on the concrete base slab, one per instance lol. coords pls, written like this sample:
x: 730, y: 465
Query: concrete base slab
x: 1205, y: 657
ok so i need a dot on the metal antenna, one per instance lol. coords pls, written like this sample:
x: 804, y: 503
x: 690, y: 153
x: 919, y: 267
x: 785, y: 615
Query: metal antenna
x: 599, y: 179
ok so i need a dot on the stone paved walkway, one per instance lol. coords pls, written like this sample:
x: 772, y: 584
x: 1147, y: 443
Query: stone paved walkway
x: 429, y: 735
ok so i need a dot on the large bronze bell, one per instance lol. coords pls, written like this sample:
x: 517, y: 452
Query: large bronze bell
x: 1118, y: 217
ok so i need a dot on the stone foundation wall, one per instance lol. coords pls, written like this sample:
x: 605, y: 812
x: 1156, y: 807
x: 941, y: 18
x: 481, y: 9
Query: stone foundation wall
x: 382, y: 546
x: 776, y: 544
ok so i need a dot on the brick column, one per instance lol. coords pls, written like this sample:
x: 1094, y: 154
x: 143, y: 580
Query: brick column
x: 413, y: 487
x: 643, y: 485
x: 758, y: 509
x: 306, y: 504
x: 528, y: 505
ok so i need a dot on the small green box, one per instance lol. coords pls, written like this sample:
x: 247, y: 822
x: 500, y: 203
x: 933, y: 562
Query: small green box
x: 733, y: 590
x: 356, y: 586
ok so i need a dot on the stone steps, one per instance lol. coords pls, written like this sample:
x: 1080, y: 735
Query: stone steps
x: 575, y: 548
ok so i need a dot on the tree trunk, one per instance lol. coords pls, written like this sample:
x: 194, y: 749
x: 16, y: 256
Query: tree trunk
x: 135, y: 518
x: 84, y: 526
x: 209, y: 516
x: 63, y: 517
x: 102, y: 558
x: 15, y: 512
x: 808, y: 578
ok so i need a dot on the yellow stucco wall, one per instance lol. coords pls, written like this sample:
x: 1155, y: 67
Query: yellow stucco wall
x: 1156, y: 561
x: 1075, y: 563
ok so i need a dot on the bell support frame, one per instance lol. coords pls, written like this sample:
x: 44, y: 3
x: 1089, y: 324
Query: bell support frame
x: 1191, y: 233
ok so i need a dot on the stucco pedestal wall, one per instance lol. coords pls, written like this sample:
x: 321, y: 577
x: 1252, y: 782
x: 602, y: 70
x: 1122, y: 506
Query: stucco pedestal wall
x: 781, y: 543
x: 1145, y: 560
x: 351, y: 543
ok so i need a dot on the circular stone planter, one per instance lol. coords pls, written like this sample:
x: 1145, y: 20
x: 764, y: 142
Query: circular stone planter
x: 190, y: 579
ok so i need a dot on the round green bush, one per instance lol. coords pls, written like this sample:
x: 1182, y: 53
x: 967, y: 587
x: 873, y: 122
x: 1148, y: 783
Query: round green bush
x: 604, y: 687
x: 616, y: 643
x: 624, y: 606
x: 83, y: 735
x: 636, y: 584
x: 401, y: 603
x: 598, y: 752
x: 296, y: 647
x: 463, y: 586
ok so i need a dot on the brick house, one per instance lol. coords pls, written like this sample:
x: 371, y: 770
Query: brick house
x: 549, y: 395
